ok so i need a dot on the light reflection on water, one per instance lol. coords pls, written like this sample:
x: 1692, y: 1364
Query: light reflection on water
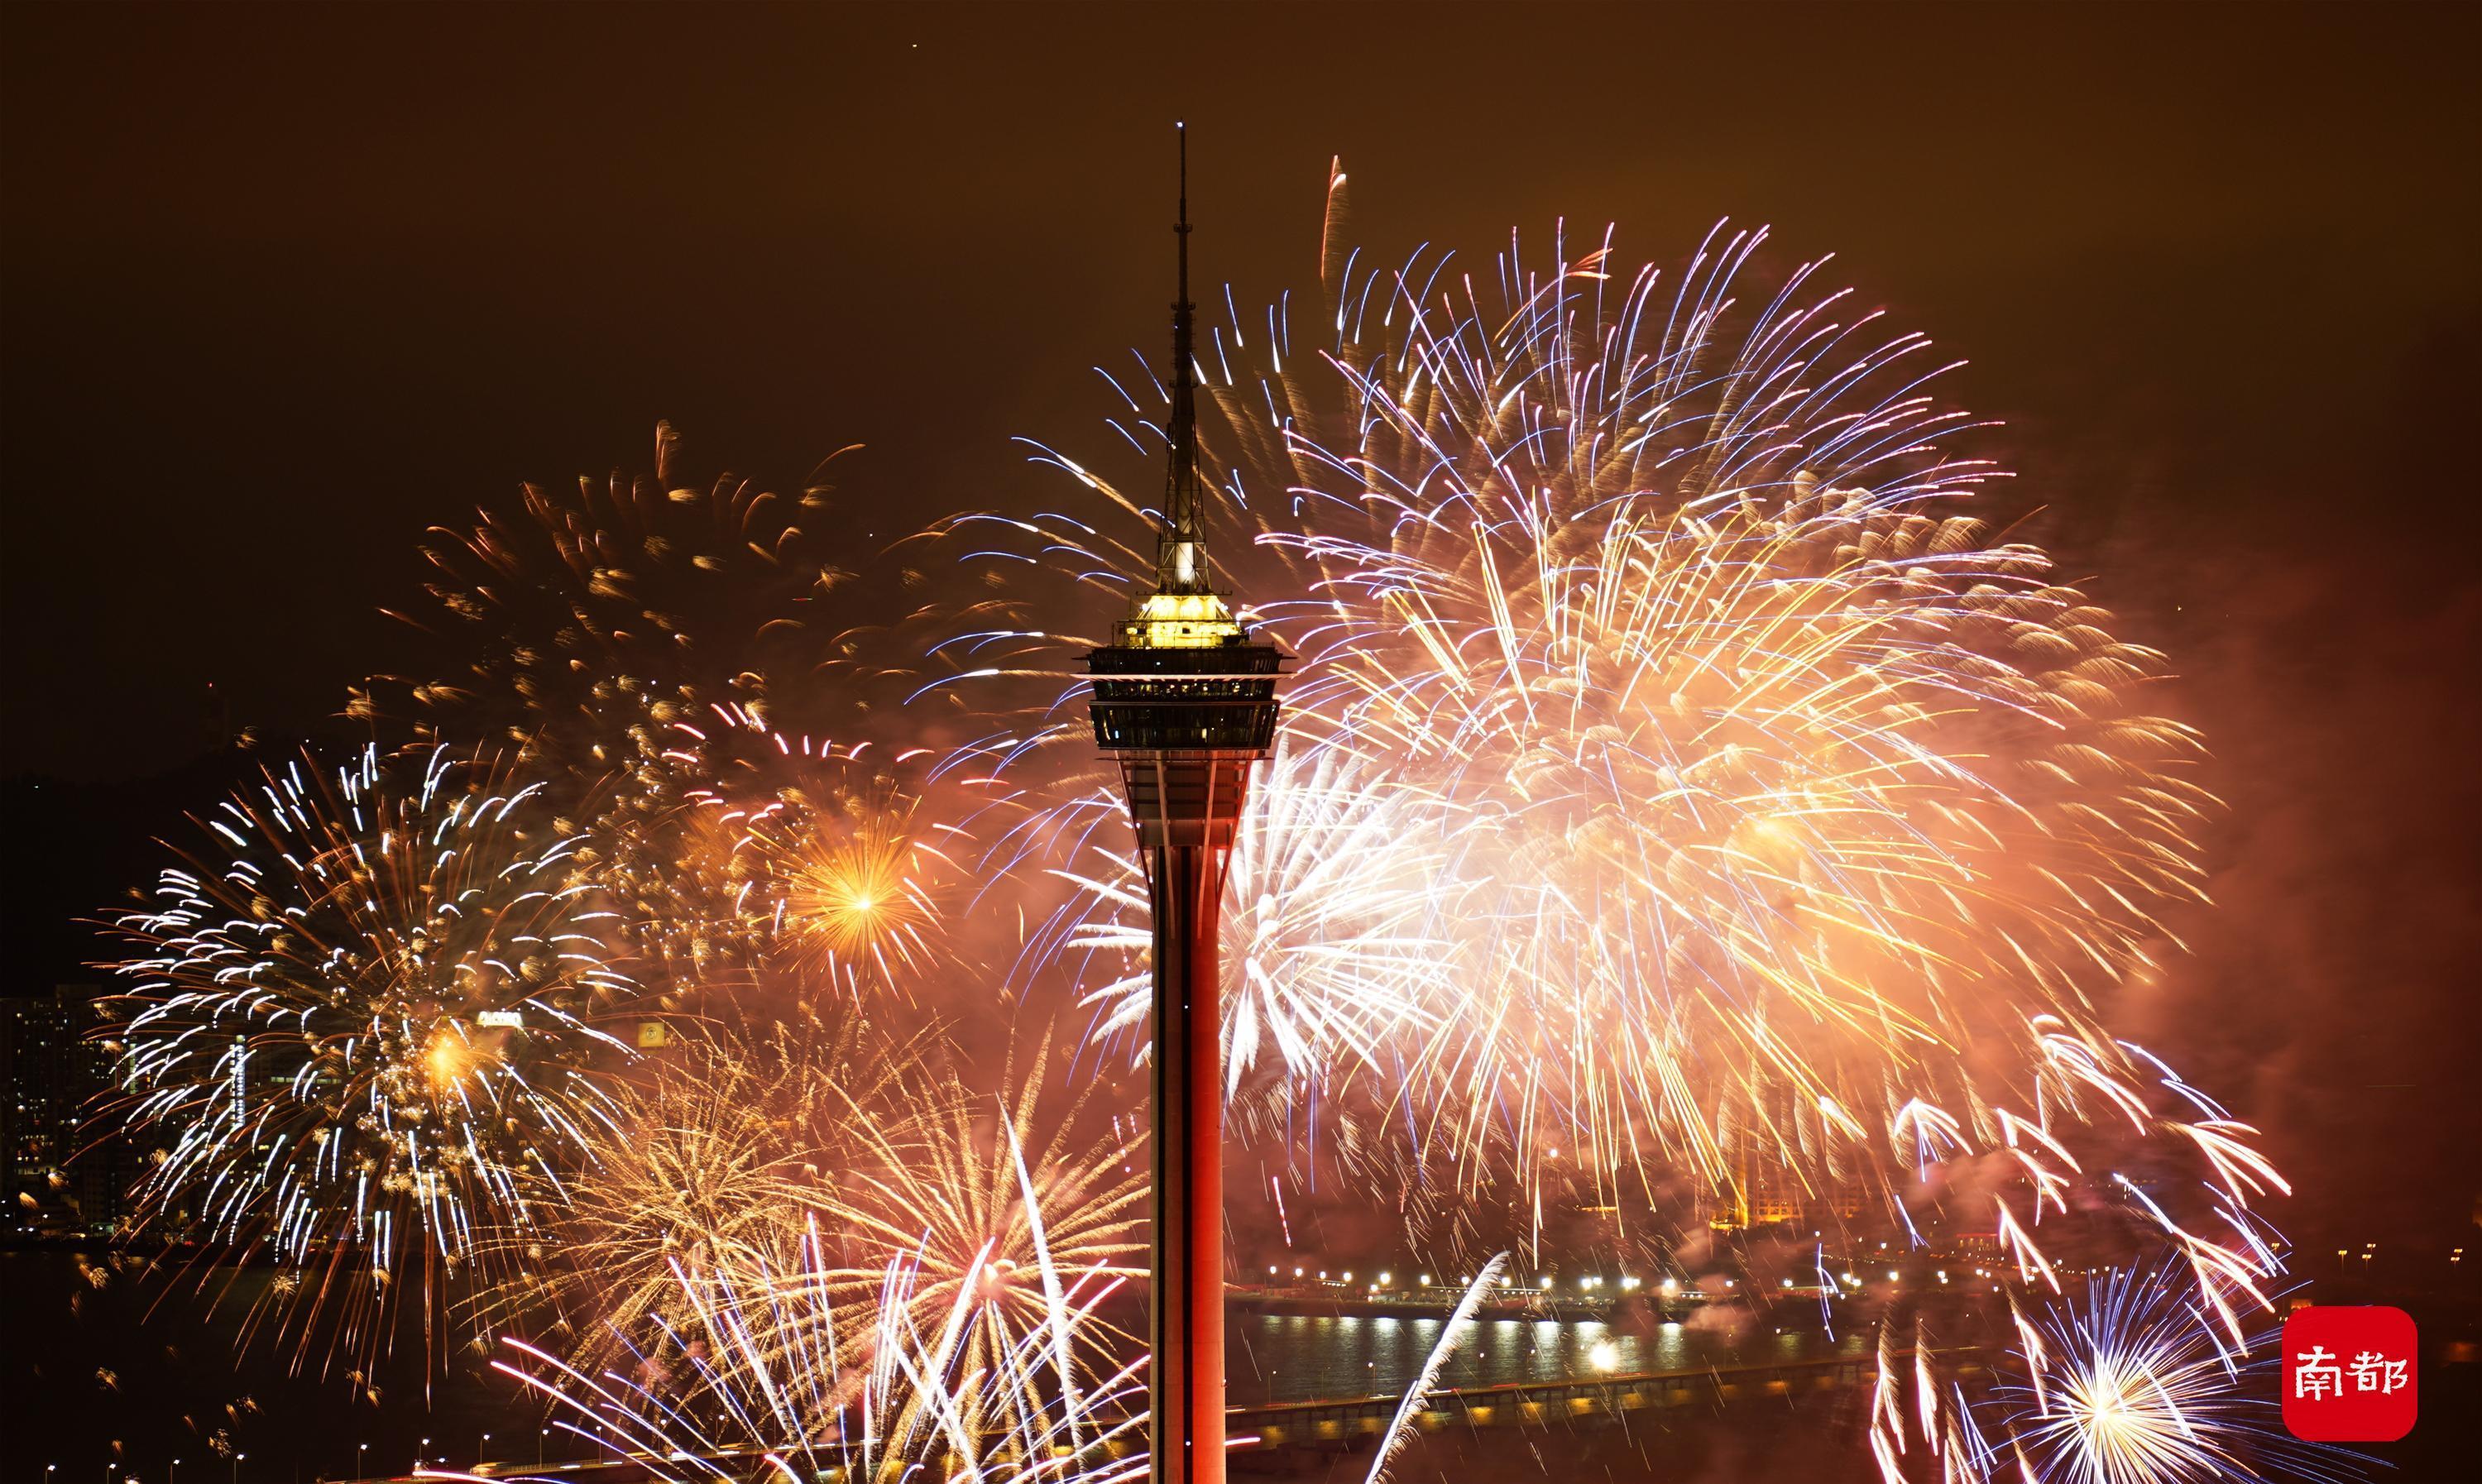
x: 1271, y: 1358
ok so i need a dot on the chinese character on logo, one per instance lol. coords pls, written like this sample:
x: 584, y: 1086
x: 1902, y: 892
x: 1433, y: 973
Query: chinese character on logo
x: 2370, y: 1398
x: 2375, y: 1373
x: 2314, y: 1374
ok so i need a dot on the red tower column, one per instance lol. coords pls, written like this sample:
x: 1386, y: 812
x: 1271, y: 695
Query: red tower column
x: 1187, y: 807
x: 1203, y: 1076
x: 1188, y: 1321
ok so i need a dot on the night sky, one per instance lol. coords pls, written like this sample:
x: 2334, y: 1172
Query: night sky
x: 283, y: 286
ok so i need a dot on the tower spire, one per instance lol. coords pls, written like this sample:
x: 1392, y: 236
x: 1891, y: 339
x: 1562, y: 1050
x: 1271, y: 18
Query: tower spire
x: 1182, y: 558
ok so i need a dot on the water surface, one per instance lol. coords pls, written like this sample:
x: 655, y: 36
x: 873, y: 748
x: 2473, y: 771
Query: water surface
x: 1278, y: 1358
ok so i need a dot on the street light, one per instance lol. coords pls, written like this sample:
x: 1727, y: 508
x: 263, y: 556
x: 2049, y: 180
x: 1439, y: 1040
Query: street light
x: 483, y: 1450
x: 540, y: 1435
x: 172, y: 1474
x: 237, y: 1458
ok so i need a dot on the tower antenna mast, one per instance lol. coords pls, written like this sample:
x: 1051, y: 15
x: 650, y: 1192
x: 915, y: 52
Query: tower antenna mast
x: 1180, y: 563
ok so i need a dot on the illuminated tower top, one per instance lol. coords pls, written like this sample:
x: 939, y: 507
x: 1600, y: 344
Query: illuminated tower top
x: 1182, y: 677
x: 1184, y: 611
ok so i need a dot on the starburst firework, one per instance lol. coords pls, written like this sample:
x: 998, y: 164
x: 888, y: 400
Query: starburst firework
x: 1789, y: 829
x: 1336, y: 938
x: 2133, y: 1381
x: 368, y: 1024
x: 952, y: 1358
x: 985, y: 1202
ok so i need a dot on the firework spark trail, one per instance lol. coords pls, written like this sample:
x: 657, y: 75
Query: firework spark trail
x: 1337, y: 935
x: 1417, y: 1394
x: 983, y: 1225
x: 370, y: 1028
x: 782, y: 1376
x: 710, y: 1160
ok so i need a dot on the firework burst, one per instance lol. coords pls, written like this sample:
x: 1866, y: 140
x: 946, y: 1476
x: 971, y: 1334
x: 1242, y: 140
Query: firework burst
x: 2132, y: 1382
x: 984, y: 1209
x: 367, y: 1025
x: 600, y: 616
x: 841, y: 868
x: 639, y: 641
x: 707, y: 1162
x: 1336, y: 938
x: 953, y: 1358
x: 1777, y: 790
